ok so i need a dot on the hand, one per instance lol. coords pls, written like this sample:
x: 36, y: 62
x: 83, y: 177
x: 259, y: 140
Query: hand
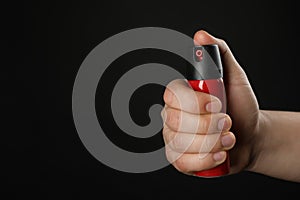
x: 182, y: 119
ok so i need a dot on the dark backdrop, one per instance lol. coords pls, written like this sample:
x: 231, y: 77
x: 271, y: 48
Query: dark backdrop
x: 56, y: 36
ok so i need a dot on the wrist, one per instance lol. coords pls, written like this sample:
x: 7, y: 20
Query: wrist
x: 258, y: 141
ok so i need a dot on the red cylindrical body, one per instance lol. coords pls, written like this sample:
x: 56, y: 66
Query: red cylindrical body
x: 216, y: 88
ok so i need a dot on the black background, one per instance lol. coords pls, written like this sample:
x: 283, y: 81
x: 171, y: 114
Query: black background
x: 54, y: 37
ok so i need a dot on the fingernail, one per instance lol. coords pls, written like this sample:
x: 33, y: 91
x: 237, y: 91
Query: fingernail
x: 219, y: 156
x: 214, y: 106
x: 221, y: 123
x: 227, y: 140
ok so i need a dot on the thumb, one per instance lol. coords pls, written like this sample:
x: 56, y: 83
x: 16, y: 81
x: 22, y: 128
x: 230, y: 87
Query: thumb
x: 231, y: 67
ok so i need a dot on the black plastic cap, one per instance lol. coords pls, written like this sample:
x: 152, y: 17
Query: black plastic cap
x: 206, y: 63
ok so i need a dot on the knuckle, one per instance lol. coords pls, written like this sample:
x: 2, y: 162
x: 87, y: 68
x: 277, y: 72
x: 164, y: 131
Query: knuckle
x: 163, y: 115
x: 168, y: 156
x: 181, y: 165
x: 166, y: 96
x: 223, y: 42
x: 168, y: 135
x: 165, y: 134
x: 173, y: 119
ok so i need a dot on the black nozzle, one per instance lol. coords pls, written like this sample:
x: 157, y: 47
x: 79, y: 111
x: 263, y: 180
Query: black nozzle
x: 205, y: 63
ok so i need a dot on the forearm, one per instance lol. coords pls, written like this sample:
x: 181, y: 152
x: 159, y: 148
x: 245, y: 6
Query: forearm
x: 276, y: 149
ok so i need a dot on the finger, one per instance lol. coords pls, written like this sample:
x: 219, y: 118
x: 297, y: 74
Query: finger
x: 231, y: 65
x: 188, y: 163
x: 194, y: 143
x: 180, y: 95
x: 186, y: 122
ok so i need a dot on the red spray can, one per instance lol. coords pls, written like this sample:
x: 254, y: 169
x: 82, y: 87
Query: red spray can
x: 206, y: 75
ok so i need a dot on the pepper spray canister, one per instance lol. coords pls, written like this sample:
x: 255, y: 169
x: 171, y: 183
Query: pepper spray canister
x: 206, y: 75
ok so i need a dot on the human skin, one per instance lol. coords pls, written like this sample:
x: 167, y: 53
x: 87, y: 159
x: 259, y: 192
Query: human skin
x: 260, y: 141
